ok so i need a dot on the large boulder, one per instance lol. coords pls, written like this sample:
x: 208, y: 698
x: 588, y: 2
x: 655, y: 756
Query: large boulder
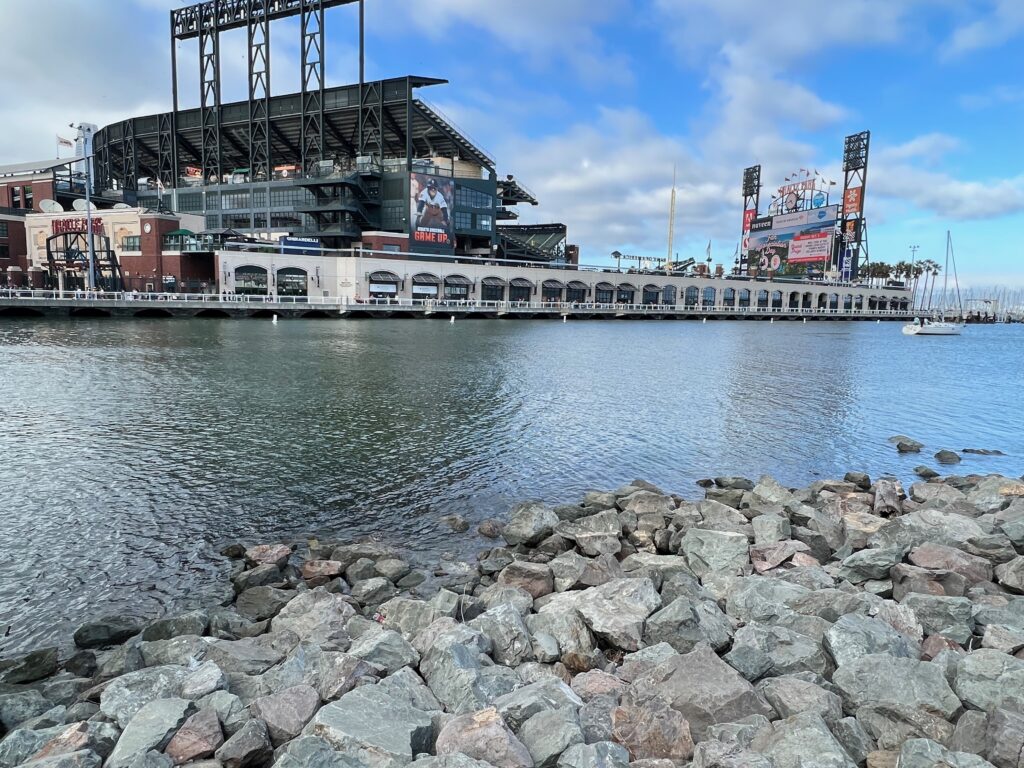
x: 316, y: 616
x: 615, y: 611
x: 1004, y: 737
x: 789, y: 650
x: 535, y: 578
x: 855, y: 635
x: 191, y: 623
x: 928, y: 526
x: 801, y: 740
x: 650, y: 728
x: 573, y: 571
x: 1011, y: 574
x: 790, y: 695
x: 707, y: 551
x: 150, y: 728
x: 483, y: 736
x: 314, y: 752
x: 258, y: 603
x: 458, y: 676
x: 529, y: 524
x: 990, y: 680
x: 883, y: 679
x: 286, y: 713
x: 387, y: 649
x: 925, y: 753
x: 545, y: 695
x: 548, y: 734
x: 509, y: 635
x: 703, y: 688
x: 199, y: 737
x: 595, y: 535
x: 106, y: 631
x: 124, y: 697
x: 373, y: 727
x: 951, y: 617
x: 601, y: 754
x: 248, y: 656
x: 684, y: 623
x: 907, y: 579
x: 249, y: 746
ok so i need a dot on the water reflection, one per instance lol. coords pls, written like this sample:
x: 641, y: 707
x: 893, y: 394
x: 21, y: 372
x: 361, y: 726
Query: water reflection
x: 132, y: 450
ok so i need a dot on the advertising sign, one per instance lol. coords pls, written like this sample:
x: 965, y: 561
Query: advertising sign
x: 76, y: 226
x: 748, y: 216
x: 853, y: 200
x: 786, y: 244
x: 431, y: 218
x: 761, y: 224
x: 301, y: 246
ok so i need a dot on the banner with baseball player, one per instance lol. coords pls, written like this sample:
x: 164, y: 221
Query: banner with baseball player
x: 431, y: 217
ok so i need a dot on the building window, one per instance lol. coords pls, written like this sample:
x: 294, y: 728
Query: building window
x: 4, y: 252
x: 604, y: 295
x: 259, y: 198
x: 285, y: 221
x: 15, y: 197
x: 463, y: 220
x: 288, y: 197
x: 483, y: 222
x: 213, y: 221
x: 3, y: 229
x: 259, y: 221
x: 237, y: 221
x: 131, y: 243
x: 213, y: 201
x: 471, y: 198
x: 192, y: 201
x: 234, y: 201
x: 28, y: 197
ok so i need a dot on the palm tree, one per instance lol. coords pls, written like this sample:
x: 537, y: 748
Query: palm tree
x: 935, y: 271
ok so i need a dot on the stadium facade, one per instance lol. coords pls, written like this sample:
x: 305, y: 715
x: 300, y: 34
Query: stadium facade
x: 330, y: 163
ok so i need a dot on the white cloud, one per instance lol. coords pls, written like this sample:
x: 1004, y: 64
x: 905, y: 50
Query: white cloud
x: 997, y: 95
x: 1002, y: 23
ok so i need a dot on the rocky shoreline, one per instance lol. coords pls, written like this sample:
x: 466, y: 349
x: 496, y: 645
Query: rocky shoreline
x: 849, y: 623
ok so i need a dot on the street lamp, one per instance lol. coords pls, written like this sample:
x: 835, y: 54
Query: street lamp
x: 618, y: 260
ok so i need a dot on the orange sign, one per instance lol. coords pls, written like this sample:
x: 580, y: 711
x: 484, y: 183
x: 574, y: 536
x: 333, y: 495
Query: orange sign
x: 853, y: 200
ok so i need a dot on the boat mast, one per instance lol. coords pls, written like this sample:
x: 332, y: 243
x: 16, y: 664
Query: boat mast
x: 956, y: 278
x: 671, y: 221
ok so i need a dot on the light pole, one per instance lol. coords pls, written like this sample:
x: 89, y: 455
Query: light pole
x: 618, y: 260
x: 85, y: 132
x: 913, y: 261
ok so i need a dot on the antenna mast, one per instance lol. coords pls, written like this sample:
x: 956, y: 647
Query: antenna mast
x: 671, y: 220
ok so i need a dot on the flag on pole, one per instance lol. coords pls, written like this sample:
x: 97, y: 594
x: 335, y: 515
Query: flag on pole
x: 62, y: 142
x: 709, y: 249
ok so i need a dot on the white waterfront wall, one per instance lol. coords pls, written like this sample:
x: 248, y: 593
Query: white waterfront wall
x: 348, y: 278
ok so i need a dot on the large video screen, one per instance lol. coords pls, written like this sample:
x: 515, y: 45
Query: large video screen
x: 793, y: 243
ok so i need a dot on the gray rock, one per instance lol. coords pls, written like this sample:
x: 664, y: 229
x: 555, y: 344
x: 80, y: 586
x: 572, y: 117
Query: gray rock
x: 338, y: 673
x: 151, y: 728
x: 31, y: 667
x: 951, y: 617
x: 386, y: 649
x: 458, y: 677
x: 248, y: 656
x: 1004, y: 738
x: 789, y: 650
x: 125, y: 696
x: 408, y: 687
x: 314, y: 752
x: 286, y: 713
x: 535, y: 578
x: 925, y: 753
x: 529, y: 523
x: 508, y: 633
x: 990, y: 680
x: 182, y: 651
x: 107, y: 631
x: 926, y: 526
x: 548, y: 734
x: 230, y: 709
x: 907, y: 579
x: 855, y: 635
x: 22, y: 743
x: 888, y: 680
x: 947, y: 457
x: 909, y: 446
x: 758, y: 598
x: 199, y: 737
x: 969, y: 735
x: 596, y: 718
x: 84, y: 758
x: 264, y: 575
x: 250, y: 746
x: 573, y: 571
x: 361, y: 569
x: 483, y: 736
x: 316, y: 616
x: 790, y: 695
x: 704, y: 689
x: 602, y: 754
x: 588, y: 685
x: 191, y: 623
x: 407, y: 616
x: 855, y: 740
x: 715, y: 551
x: 769, y: 529
x: 750, y: 661
x: 569, y: 630
x: 926, y: 472
x: 349, y: 553
x: 790, y: 743
x: 594, y: 535
x: 97, y: 737
x: 372, y: 726
x: 546, y: 695
x: 1011, y: 574
x: 203, y: 681
x: 502, y: 594
x: 684, y: 623
x: 870, y: 564
x: 615, y: 612
x: 257, y: 603
x: 491, y: 528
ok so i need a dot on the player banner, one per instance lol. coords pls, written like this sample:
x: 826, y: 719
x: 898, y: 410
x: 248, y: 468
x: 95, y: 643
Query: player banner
x: 430, y: 225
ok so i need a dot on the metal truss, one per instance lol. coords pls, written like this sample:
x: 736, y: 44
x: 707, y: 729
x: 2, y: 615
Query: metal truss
x: 259, y: 91
x: 371, y: 120
x: 751, y: 201
x: 312, y: 25
x: 853, y: 237
x: 130, y: 158
x: 209, y: 88
x: 167, y: 164
x: 188, y: 23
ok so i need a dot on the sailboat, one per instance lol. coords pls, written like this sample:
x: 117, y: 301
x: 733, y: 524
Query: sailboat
x: 940, y: 327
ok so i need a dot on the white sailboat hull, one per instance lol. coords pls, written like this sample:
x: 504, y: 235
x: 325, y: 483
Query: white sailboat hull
x: 933, y: 329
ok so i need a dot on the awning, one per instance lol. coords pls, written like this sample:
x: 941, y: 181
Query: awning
x: 383, y: 277
x: 494, y: 281
x: 520, y: 282
x: 627, y: 287
x: 181, y: 233
x: 576, y: 285
x: 651, y: 287
x: 425, y: 278
x: 553, y: 284
x: 604, y: 287
x: 457, y: 280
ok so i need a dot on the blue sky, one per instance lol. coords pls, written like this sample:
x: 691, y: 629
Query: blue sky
x: 591, y: 103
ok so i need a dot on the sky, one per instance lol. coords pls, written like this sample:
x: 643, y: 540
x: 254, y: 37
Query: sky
x: 591, y: 103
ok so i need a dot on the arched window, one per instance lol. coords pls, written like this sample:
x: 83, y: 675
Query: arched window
x: 251, y: 281
x: 604, y: 293
x: 833, y: 301
x: 456, y: 287
x: 651, y: 295
x: 425, y: 286
x: 729, y: 297
x: 625, y: 293
x: 762, y: 299
x: 822, y: 300
x: 492, y: 289
x: 776, y: 299
x: 551, y: 290
x: 384, y: 285
x: 520, y: 289
x: 794, y: 300
x: 668, y: 295
x: 292, y: 281
x: 708, y: 297
x: 808, y: 300
x: 744, y: 298
x: 848, y: 302
x: 692, y: 296
x: 858, y: 303
x: 576, y: 292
